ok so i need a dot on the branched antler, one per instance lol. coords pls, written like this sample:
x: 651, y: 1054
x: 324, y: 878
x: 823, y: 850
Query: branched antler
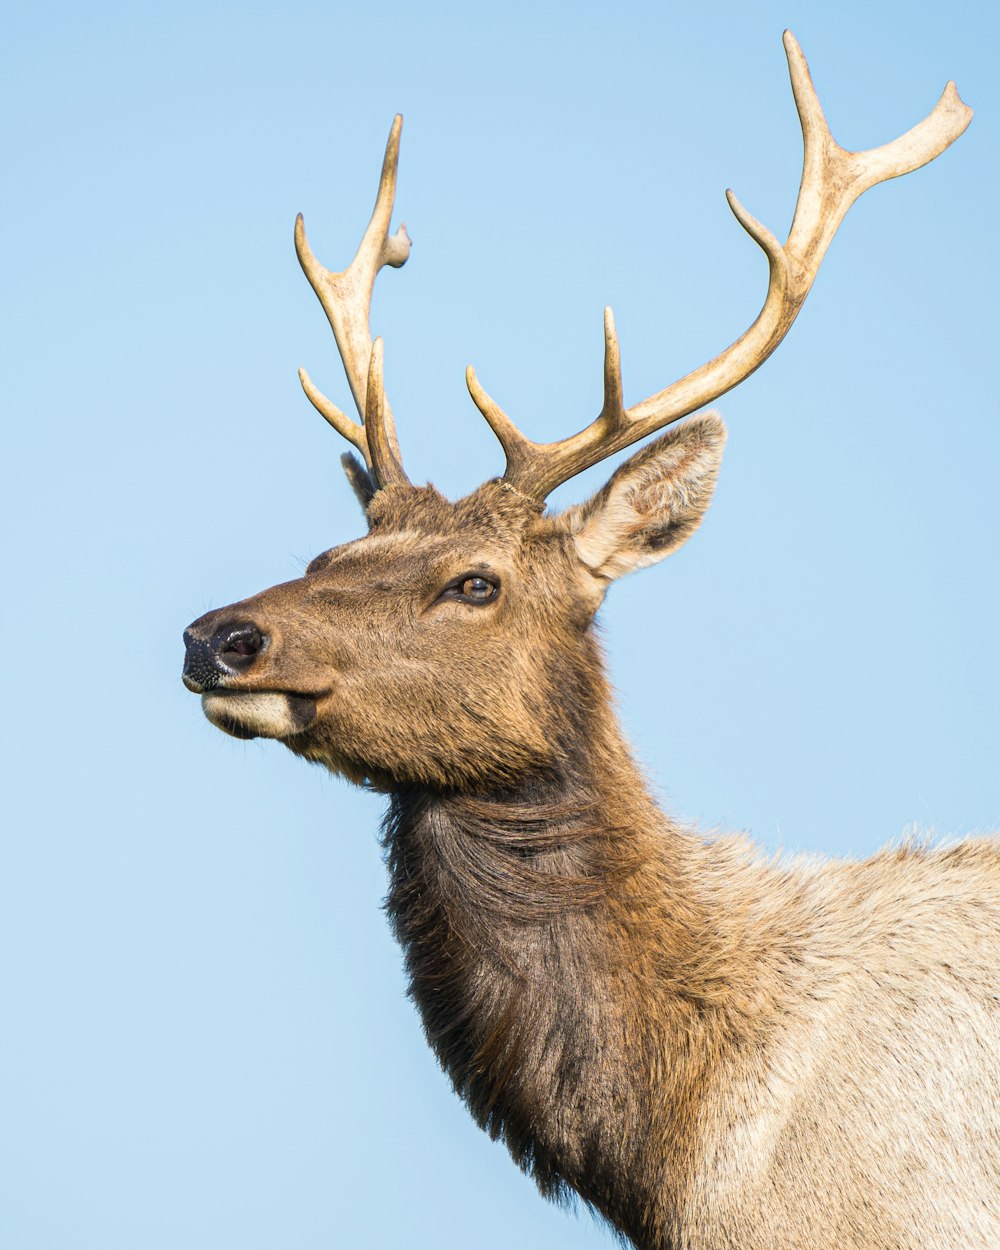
x: 346, y: 299
x: 832, y: 179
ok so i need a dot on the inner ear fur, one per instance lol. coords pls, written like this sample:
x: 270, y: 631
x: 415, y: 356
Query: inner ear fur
x: 653, y: 502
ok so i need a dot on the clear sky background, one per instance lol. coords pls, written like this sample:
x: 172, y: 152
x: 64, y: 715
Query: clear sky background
x: 205, y: 1040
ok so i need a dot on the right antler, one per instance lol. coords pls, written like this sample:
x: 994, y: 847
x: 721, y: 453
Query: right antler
x: 832, y: 179
x: 346, y: 298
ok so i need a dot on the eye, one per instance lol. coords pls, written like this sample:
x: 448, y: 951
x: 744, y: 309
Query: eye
x: 472, y: 588
x: 478, y: 588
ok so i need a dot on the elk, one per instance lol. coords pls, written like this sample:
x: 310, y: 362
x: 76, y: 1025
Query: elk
x: 713, y: 1050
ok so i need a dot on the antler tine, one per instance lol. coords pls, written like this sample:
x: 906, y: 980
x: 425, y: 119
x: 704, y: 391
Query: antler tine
x: 346, y: 299
x: 832, y: 179
x: 386, y: 464
x: 524, y: 456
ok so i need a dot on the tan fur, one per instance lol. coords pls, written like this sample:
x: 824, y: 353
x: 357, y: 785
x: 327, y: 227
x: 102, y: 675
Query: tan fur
x: 716, y: 1051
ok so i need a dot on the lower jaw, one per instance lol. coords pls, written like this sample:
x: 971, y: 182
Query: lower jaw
x: 259, y: 714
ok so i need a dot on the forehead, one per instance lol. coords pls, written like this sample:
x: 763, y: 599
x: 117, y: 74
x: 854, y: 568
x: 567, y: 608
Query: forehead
x: 408, y: 549
x: 419, y: 526
x: 494, y: 507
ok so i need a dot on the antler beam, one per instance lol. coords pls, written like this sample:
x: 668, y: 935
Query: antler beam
x: 346, y: 299
x: 832, y: 179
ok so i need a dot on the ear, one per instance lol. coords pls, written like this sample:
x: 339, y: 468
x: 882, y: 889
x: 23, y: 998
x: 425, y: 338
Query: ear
x: 359, y: 478
x: 653, y: 503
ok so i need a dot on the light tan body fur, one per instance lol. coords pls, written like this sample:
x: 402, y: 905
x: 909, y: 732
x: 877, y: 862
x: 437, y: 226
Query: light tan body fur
x: 867, y: 1115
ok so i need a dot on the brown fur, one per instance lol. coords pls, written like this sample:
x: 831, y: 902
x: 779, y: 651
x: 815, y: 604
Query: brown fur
x: 714, y: 1051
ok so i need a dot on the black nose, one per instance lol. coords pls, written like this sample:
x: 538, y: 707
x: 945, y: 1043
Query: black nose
x: 229, y: 651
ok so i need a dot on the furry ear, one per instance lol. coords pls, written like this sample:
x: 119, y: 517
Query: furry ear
x: 359, y: 478
x: 654, y: 501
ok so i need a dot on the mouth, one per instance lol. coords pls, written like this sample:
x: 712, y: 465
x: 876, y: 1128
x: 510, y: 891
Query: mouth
x: 259, y: 713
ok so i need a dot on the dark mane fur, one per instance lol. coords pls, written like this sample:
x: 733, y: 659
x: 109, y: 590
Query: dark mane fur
x: 502, y: 906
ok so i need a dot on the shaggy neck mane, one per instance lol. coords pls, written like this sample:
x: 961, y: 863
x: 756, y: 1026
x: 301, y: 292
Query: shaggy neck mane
x: 574, y: 966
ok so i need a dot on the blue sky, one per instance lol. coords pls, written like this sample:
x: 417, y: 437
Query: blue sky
x: 206, y: 1040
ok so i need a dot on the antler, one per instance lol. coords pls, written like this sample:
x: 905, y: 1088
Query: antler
x: 832, y: 179
x: 346, y: 298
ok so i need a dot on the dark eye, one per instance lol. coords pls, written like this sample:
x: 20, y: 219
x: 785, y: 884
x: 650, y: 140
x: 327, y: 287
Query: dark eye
x: 472, y: 588
x: 478, y: 588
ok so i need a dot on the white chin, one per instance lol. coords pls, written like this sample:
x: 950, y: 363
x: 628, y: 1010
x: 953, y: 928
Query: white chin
x: 264, y: 714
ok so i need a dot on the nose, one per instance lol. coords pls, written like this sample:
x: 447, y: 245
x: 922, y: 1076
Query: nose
x: 228, y: 652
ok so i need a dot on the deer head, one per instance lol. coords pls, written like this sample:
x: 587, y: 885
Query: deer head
x: 451, y: 646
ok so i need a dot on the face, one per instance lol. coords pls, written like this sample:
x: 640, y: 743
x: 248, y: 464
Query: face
x: 450, y: 647
x: 435, y: 650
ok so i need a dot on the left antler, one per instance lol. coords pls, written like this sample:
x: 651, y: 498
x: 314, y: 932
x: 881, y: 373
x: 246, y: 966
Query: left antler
x: 346, y: 298
x: 832, y: 179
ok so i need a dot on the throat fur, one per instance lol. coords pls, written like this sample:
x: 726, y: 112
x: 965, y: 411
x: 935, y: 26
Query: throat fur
x: 542, y: 996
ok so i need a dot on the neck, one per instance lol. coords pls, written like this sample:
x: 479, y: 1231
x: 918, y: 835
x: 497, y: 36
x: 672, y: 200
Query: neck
x: 567, y: 973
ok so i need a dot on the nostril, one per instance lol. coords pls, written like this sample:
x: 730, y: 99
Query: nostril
x: 238, y: 645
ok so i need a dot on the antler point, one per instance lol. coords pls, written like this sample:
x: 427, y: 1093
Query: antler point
x: 952, y: 99
x: 302, y: 246
x: 793, y: 49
